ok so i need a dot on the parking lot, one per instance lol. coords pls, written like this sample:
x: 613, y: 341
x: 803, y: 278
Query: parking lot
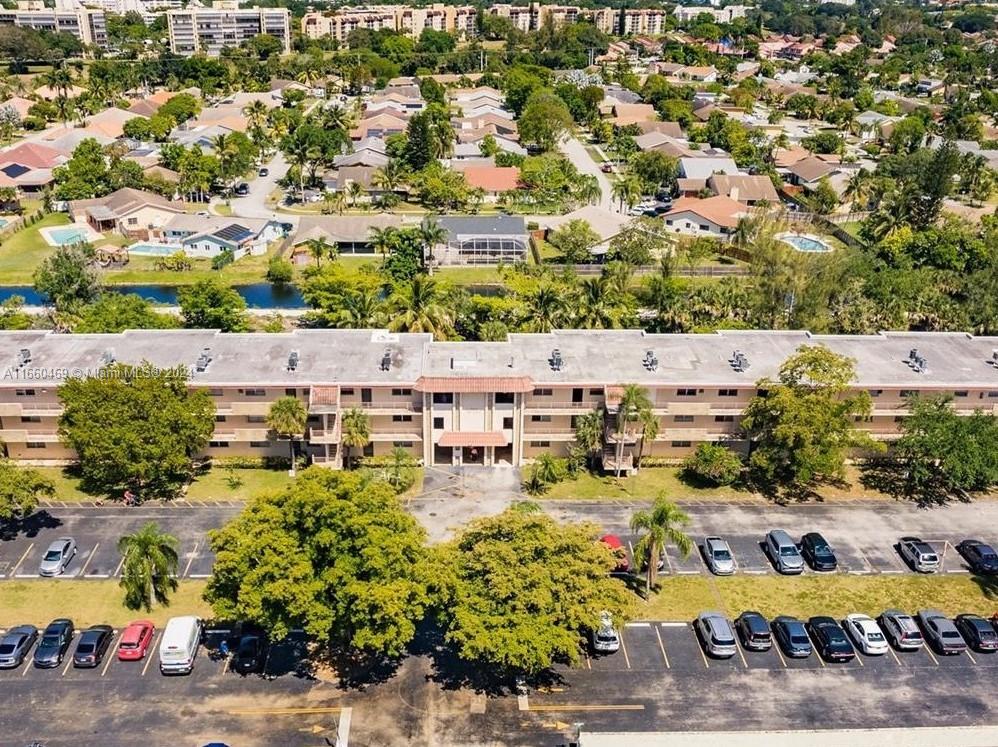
x: 97, y: 530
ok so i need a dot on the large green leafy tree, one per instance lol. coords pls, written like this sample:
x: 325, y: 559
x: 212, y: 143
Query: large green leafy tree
x: 20, y: 489
x: 116, y: 312
x: 944, y: 453
x: 335, y: 554
x: 135, y: 427
x: 802, y: 425
x: 544, y: 119
x: 522, y: 590
x: 210, y: 304
x: 68, y: 278
x: 149, y: 566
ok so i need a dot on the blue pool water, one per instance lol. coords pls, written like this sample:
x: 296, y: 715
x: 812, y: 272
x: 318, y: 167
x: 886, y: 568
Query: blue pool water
x: 153, y: 250
x: 62, y: 236
x: 3, y: 222
x: 257, y: 295
x: 806, y: 244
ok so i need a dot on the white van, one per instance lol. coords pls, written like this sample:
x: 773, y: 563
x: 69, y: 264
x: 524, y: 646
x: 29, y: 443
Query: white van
x: 179, y: 646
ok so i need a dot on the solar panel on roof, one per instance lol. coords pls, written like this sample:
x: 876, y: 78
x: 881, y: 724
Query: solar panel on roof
x: 234, y: 232
x: 14, y: 170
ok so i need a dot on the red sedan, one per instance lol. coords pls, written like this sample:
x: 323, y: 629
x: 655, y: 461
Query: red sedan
x: 617, y: 547
x: 135, y: 641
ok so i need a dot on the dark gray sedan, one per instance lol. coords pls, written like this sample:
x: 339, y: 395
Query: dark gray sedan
x: 941, y: 632
x: 14, y: 646
x: 53, y: 644
x: 92, y: 646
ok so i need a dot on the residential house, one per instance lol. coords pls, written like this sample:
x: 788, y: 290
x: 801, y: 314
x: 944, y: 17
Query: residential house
x: 394, y: 103
x: 746, y: 188
x: 482, y: 240
x: 378, y: 126
x: 494, y: 180
x: 348, y: 234
x: 705, y: 167
x: 209, y: 236
x: 716, y: 217
x: 110, y: 122
x: 503, y: 125
x: 605, y: 223
x: 365, y: 157
x: 130, y: 212
x: 672, y: 129
x: 147, y: 106
x: 20, y: 105
x: 628, y: 114
x: 28, y: 166
x: 809, y: 172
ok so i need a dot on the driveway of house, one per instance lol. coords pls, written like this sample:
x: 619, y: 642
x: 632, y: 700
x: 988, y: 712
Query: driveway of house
x: 575, y: 151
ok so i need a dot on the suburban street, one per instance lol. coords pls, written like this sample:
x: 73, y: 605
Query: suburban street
x: 575, y: 151
x: 254, y: 205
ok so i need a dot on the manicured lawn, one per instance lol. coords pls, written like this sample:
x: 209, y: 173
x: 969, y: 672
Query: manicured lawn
x: 851, y: 228
x: 684, y: 597
x: 142, y: 270
x: 650, y: 481
x: 21, y: 253
x: 90, y: 602
x: 211, y: 486
x: 469, y: 275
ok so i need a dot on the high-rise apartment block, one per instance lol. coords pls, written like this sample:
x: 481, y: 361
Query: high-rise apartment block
x: 197, y: 29
x: 86, y: 24
x: 454, y: 19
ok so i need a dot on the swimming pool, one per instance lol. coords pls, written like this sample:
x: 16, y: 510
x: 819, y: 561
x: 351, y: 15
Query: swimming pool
x: 148, y: 249
x: 74, y: 233
x: 805, y: 243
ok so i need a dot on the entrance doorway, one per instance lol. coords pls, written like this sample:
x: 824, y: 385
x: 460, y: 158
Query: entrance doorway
x: 473, y: 455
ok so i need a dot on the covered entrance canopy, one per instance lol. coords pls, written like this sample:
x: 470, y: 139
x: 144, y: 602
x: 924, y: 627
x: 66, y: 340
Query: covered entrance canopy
x: 472, y: 438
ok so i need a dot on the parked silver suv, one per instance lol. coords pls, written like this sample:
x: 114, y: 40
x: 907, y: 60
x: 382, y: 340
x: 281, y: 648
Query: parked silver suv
x: 718, y: 555
x: 920, y: 554
x: 782, y: 550
x: 717, y: 634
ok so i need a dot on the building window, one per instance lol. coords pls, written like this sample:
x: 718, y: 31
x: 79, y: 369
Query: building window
x: 540, y: 444
x: 30, y: 419
x: 218, y: 444
x: 219, y: 418
x: 348, y: 392
x: 402, y: 444
x: 401, y: 392
x: 992, y: 395
x: 724, y: 418
x: 540, y: 418
x: 964, y: 393
x: 727, y: 392
x: 401, y: 418
x: 898, y: 418
x: 542, y: 392
x: 443, y: 398
x: 255, y: 392
x: 24, y: 392
x: 507, y: 424
x: 256, y: 418
x: 904, y: 393
x: 35, y: 445
x: 369, y: 450
x: 683, y: 419
x: 704, y: 228
x: 290, y: 392
x: 133, y: 221
x: 681, y: 444
x: 596, y: 392
x: 438, y: 423
x: 259, y: 444
x: 504, y: 398
x: 686, y: 392
x: 875, y: 392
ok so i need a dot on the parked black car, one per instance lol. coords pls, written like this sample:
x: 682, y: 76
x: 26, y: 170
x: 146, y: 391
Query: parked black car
x: 250, y: 653
x: 980, y: 557
x: 791, y: 635
x: 16, y: 644
x: 817, y: 552
x: 831, y: 641
x: 54, y: 643
x: 242, y: 189
x: 754, y: 631
x: 979, y: 634
x: 92, y: 646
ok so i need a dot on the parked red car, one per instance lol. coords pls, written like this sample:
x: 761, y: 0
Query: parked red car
x: 135, y: 641
x: 617, y: 547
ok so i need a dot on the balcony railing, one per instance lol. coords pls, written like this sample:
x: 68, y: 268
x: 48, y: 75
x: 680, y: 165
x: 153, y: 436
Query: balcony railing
x: 542, y: 405
x: 386, y: 406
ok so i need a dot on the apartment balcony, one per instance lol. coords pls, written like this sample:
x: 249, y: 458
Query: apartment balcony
x: 324, y: 435
x: 690, y: 408
x: 21, y: 436
x: 696, y: 434
x: 43, y: 409
x: 240, y: 435
x: 569, y: 407
x: 384, y: 408
x: 242, y: 408
x: 8, y: 409
x: 549, y: 434
x: 396, y: 436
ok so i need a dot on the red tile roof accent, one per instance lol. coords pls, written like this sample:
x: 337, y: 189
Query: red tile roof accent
x: 474, y: 384
x: 324, y: 395
x: 472, y: 438
x: 493, y: 178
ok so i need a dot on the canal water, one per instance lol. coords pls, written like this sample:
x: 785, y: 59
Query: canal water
x: 257, y: 295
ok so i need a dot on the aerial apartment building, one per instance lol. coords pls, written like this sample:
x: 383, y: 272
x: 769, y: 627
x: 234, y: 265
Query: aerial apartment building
x: 454, y: 19
x: 86, y: 24
x: 482, y: 402
x: 535, y: 16
x: 643, y: 21
x: 688, y: 14
x: 201, y: 30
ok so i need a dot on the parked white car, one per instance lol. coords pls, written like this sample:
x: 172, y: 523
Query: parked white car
x: 606, y: 640
x: 866, y: 634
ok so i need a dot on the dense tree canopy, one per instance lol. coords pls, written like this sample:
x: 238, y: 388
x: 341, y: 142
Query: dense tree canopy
x: 20, y: 489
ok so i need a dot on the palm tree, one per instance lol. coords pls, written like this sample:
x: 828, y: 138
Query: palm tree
x: 333, y: 202
x: 589, y: 434
x: 546, y: 468
x: 634, y: 407
x: 337, y: 118
x: 354, y: 191
x: 256, y: 114
x: 400, y: 464
x: 356, y: 431
x: 149, y: 566
x: 587, y: 190
x: 287, y: 418
x: 382, y: 240
x: 319, y: 248
x: 663, y: 523
x: 388, y: 178
x: 418, y: 307
x: 547, y: 309
x: 386, y: 201
x: 858, y: 188
x: 627, y: 191
x: 361, y: 309
x: 597, y: 309
x: 430, y: 235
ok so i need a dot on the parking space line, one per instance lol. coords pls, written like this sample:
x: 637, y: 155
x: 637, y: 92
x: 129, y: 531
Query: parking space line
x: 780, y: 654
x: 18, y: 564
x: 668, y: 562
x: 69, y: 663
x: 896, y: 659
x: 150, y: 653
x: 589, y: 663
x: 696, y: 642
x: 662, y: 648
x: 110, y: 652
x: 190, y: 561
x: 932, y: 656
x: 120, y: 563
x: 587, y: 707
x: 623, y: 647
x: 673, y: 624
x: 286, y: 711
x: 90, y: 557
x: 27, y: 665
x: 970, y: 656
x: 741, y: 655
x: 859, y: 658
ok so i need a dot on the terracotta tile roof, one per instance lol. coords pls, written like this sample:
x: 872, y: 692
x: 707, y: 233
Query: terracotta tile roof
x: 474, y: 384
x: 493, y: 178
x: 723, y: 211
x: 324, y: 395
x: 33, y: 155
x: 744, y: 187
x: 472, y: 438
